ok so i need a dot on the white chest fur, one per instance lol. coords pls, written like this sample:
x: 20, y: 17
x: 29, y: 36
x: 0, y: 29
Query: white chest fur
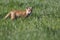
x: 28, y: 12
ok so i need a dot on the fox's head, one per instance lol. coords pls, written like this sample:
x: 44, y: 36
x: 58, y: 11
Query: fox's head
x: 28, y: 10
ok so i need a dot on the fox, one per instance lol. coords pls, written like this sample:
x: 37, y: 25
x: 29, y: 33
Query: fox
x: 19, y: 13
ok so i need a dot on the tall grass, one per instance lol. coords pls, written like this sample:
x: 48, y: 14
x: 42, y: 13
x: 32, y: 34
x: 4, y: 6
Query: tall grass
x: 42, y: 24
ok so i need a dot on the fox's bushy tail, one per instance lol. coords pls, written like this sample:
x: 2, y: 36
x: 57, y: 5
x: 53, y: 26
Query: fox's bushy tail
x: 7, y: 15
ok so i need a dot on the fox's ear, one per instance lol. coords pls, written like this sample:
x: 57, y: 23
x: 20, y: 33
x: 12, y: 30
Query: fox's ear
x: 29, y: 7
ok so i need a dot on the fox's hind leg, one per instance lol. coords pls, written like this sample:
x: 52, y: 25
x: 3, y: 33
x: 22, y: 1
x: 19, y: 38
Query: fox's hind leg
x: 12, y: 16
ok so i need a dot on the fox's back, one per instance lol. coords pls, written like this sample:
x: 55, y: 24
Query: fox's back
x: 19, y: 12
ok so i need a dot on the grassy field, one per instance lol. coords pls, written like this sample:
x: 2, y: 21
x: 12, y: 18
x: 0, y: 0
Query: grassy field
x: 42, y: 24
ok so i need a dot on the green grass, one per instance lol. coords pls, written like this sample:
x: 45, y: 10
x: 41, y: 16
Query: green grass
x: 42, y: 24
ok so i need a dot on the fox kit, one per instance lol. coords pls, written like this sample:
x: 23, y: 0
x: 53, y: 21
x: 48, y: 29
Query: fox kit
x: 17, y: 13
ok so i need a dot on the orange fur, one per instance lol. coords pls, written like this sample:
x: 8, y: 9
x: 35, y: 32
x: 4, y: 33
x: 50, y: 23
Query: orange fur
x: 17, y: 13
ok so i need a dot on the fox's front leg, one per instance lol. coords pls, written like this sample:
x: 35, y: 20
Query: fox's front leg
x: 26, y: 16
x: 12, y: 16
